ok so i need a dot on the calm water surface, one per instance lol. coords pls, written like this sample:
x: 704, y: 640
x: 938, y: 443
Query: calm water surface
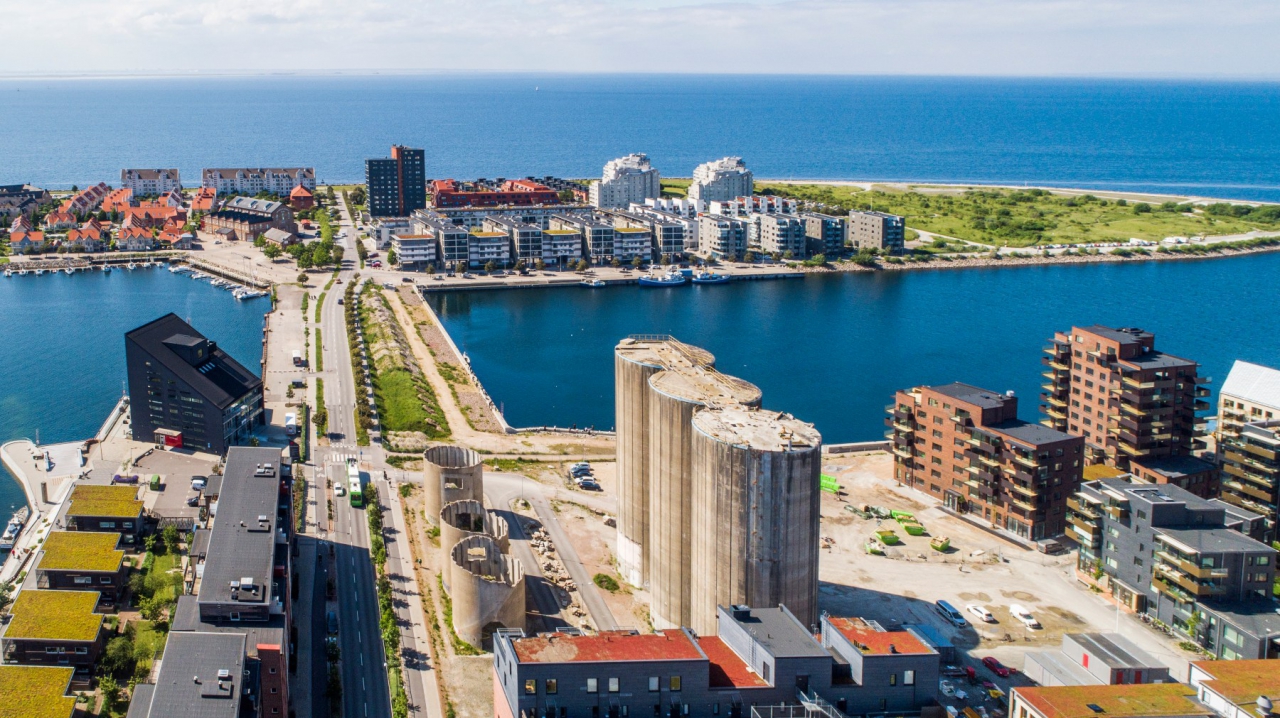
x: 62, y: 346
x: 832, y: 349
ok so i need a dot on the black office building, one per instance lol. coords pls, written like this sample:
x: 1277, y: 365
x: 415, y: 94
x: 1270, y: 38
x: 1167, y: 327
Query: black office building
x: 185, y: 391
x: 398, y: 185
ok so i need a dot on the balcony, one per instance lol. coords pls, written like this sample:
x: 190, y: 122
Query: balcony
x: 963, y: 420
x: 1254, y: 506
x: 1084, y: 526
x: 1056, y: 350
x: 1190, y: 567
x: 1084, y: 539
x: 1130, y: 449
x: 1130, y: 382
x: 989, y: 461
x: 1133, y: 410
x: 1262, y: 451
x: 1054, y: 364
x: 903, y: 453
x: 982, y: 444
x: 1186, y: 583
x: 1102, y: 356
x: 1055, y: 401
x: 1015, y: 487
x: 904, y: 427
x: 1023, y: 475
x: 1265, y: 480
x: 1204, y: 380
x: 1171, y: 590
x: 1118, y: 512
x: 1028, y: 461
x: 1248, y: 490
x: 1201, y: 405
x: 1055, y: 412
x: 1202, y: 392
x: 1084, y: 508
x: 1024, y: 505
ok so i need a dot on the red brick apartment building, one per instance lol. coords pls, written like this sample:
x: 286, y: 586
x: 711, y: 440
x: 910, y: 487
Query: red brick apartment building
x: 521, y: 192
x: 1135, y: 406
x: 966, y: 446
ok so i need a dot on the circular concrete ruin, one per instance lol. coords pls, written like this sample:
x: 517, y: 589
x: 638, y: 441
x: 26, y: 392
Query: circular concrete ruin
x: 461, y: 519
x: 487, y: 592
x: 451, y: 473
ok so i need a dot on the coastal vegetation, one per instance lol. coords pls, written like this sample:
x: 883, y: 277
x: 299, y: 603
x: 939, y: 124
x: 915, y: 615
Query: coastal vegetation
x: 387, y: 621
x: 1027, y: 218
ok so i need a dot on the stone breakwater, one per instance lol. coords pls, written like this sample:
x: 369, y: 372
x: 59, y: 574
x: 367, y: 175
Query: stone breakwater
x: 1011, y: 261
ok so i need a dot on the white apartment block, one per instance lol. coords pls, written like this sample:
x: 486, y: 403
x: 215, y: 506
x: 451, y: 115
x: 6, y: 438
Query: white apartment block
x: 1250, y: 393
x: 688, y: 234
x: 778, y: 234
x: 414, y: 249
x: 632, y: 242
x: 561, y: 244
x: 681, y: 206
x: 384, y: 228
x: 252, y: 180
x: 722, y: 237
x: 484, y: 247
x: 146, y: 183
x: 721, y: 180
x: 626, y: 180
x: 597, y: 234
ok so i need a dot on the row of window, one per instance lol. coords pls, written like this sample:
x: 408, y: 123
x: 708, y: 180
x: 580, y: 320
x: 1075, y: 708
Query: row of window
x: 551, y: 686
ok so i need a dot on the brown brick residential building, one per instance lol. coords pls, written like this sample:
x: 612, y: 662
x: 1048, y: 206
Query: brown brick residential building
x: 1135, y: 406
x: 966, y: 446
x: 247, y: 218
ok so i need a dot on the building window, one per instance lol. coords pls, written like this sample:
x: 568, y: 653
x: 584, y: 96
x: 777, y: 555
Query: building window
x: 531, y: 686
x: 106, y: 524
x: 104, y: 579
x: 893, y: 679
x: 81, y: 580
x: 673, y: 683
x: 908, y: 678
x: 613, y: 685
x: 592, y: 686
x: 550, y: 686
x: 653, y: 684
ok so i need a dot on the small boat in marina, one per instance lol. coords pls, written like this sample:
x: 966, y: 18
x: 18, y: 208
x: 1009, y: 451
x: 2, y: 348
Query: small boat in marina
x: 106, y: 267
x: 69, y: 270
x: 131, y: 266
x: 10, y: 536
x: 593, y: 283
x: 670, y: 279
x: 710, y: 278
x: 39, y: 272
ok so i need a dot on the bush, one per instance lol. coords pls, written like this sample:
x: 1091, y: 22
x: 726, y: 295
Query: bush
x: 606, y: 582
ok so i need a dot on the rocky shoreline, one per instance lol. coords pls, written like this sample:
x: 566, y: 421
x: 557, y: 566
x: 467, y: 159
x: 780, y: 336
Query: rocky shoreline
x: 1039, y: 260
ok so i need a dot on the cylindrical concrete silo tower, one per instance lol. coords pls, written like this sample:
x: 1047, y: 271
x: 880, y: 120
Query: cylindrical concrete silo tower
x: 461, y: 519
x: 451, y: 473
x: 487, y: 589
x: 636, y: 359
x: 675, y: 396
x: 755, y: 530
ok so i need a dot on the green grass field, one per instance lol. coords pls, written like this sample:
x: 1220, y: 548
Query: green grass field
x: 675, y: 187
x: 1025, y: 218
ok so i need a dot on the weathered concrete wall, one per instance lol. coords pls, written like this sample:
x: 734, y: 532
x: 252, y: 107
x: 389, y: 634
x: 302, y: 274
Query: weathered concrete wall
x: 461, y: 519
x: 488, y: 590
x: 754, y: 514
x: 631, y: 406
x: 451, y: 473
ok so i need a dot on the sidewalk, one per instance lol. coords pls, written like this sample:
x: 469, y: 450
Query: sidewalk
x: 419, y: 673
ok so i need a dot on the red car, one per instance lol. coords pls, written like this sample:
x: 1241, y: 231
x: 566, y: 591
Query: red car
x: 996, y: 667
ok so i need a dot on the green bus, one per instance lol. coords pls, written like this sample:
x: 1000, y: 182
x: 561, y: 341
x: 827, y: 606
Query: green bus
x: 353, y: 483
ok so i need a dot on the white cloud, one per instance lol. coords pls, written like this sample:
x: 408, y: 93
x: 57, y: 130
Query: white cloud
x: 1006, y: 37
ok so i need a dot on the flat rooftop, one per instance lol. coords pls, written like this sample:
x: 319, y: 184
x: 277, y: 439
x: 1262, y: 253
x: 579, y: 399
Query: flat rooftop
x: 662, y: 351
x: 118, y: 501
x: 1102, y: 471
x: 727, y: 669
x: 779, y: 632
x: 1241, y: 682
x: 1125, y: 701
x: 1115, y: 650
x: 977, y: 396
x: 1175, y: 467
x: 758, y: 429
x: 36, y: 692
x: 81, y: 551
x: 1029, y: 433
x: 242, y: 540
x: 703, y: 385
x: 54, y: 616
x: 1211, y: 540
x: 872, y: 640
x: 669, y: 645
x: 190, y: 684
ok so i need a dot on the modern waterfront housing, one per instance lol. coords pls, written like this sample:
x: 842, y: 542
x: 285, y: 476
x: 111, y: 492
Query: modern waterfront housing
x: 481, y: 193
x: 414, y: 251
x: 187, y: 391
x: 83, y: 561
x: 279, y: 181
x: 967, y: 447
x: 721, y: 180
x: 148, y: 182
x: 1251, y: 472
x: 106, y: 509
x: 626, y: 180
x: 824, y: 233
x: 877, y: 230
x: 1182, y: 559
x: 781, y: 234
x: 755, y: 657
x: 396, y: 185
x: 1237, y: 689
x: 1251, y: 393
x: 54, y: 628
x: 1135, y: 406
x: 722, y: 237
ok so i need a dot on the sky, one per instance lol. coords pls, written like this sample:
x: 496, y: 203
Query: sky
x: 1126, y: 38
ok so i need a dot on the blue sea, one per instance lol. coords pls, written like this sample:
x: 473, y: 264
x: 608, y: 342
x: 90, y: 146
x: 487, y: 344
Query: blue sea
x: 62, y: 347
x: 1194, y: 137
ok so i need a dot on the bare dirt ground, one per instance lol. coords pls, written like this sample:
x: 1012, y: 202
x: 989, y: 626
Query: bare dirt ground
x: 981, y: 568
x: 596, y: 546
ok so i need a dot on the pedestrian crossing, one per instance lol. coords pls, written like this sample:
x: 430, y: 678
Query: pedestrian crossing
x: 339, y: 457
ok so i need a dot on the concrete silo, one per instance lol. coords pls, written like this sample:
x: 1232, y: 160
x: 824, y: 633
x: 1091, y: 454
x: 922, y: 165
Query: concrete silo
x: 636, y: 359
x: 461, y: 519
x: 487, y: 589
x: 676, y: 395
x: 450, y: 473
x: 755, y: 513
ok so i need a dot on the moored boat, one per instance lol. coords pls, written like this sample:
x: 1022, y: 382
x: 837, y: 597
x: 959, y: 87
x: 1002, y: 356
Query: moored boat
x: 670, y: 279
x: 10, y: 536
x: 593, y: 283
x: 710, y: 278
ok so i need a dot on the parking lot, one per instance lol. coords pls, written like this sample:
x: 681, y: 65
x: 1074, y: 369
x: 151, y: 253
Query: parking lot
x: 980, y: 569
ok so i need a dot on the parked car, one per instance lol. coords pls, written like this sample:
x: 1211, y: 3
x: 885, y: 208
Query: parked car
x: 1023, y: 616
x: 996, y: 667
x: 339, y: 300
x: 589, y: 485
x: 339, y: 490
x: 582, y: 465
x: 579, y: 470
x: 949, y: 612
x: 332, y: 621
x: 407, y: 280
x: 193, y: 501
x: 952, y: 671
x: 947, y: 687
x: 198, y: 483
x: 981, y: 612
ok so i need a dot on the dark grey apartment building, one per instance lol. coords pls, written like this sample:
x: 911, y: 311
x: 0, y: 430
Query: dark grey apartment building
x: 185, y: 391
x: 825, y: 234
x: 1183, y: 560
x: 396, y: 185
x: 1251, y: 471
x: 877, y: 230
x: 759, y: 657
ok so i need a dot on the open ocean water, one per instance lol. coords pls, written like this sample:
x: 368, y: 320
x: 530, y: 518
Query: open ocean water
x: 1195, y: 137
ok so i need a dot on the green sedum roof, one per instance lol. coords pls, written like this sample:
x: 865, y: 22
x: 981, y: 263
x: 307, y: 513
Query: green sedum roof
x: 121, y: 501
x: 35, y: 692
x: 55, y: 616
x: 81, y: 551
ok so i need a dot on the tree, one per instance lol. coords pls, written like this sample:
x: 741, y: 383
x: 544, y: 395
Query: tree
x: 170, y: 538
x: 118, y: 658
x: 539, y: 265
x: 521, y: 266
x: 582, y: 265
x: 260, y: 241
x: 788, y: 255
x: 302, y: 278
x: 110, y: 694
x: 490, y: 265
x: 336, y: 253
x: 431, y: 268
x: 321, y: 256
x: 460, y: 268
x: 666, y: 259
x: 749, y: 257
x: 392, y: 257
x: 637, y: 262
x: 359, y: 195
x: 272, y: 251
x: 616, y: 262
x: 305, y: 260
